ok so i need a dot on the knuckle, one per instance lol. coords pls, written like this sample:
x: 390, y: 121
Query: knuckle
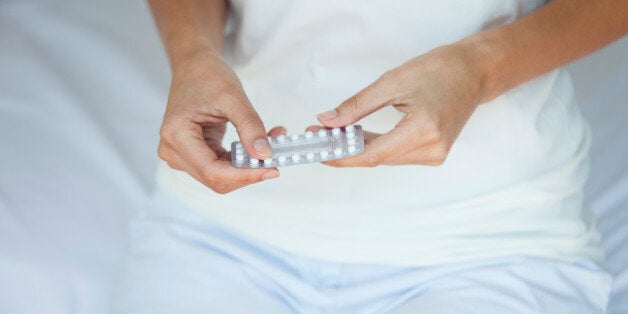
x: 388, y: 75
x: 438, y: 154
x: 440, y: 151
x: 221, y: 189
x: 350, y: 106
x: 391, y: 80
x: 166, y: 134
x: 250, y: 123
x: 170, y: 131
x: 374, y: 159
x: 163, y: 154
x: 433, y: 134
x: 174, y: 166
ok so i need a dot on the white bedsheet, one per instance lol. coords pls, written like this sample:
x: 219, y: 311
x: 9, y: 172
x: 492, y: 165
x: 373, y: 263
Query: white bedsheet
x: 602, y: 85
x: 82, y: 88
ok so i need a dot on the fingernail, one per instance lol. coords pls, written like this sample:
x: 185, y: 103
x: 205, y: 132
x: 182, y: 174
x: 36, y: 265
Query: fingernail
x: 262, y: 147
x: 270, y: 175
x: 327, y: 115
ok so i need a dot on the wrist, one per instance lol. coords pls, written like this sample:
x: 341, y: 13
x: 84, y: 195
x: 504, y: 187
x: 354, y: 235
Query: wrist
x: 183, y: 51
x: 195, y: 62
x: 486, y: 53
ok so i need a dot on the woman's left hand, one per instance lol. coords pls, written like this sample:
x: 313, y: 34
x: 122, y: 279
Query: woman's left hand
x: 437, y: 91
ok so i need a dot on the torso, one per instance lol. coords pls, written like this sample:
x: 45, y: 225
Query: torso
x: 512, y: 183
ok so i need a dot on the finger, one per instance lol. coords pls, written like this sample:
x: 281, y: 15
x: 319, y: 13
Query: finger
x: 365, y: 102
x: 227, y: 178
x: 204, y: 165
x: 380, y: 149
x: 248, y: 125
x: 171, y: 157
x: 278, y: 130
x: 314, y: 128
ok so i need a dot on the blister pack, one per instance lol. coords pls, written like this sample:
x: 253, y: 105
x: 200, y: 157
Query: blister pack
x: 304, y: 148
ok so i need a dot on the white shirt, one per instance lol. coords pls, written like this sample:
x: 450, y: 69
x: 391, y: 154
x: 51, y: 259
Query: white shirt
x: 512, y: 183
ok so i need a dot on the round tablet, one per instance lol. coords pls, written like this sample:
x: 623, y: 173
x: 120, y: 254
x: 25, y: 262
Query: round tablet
x: 296, y: 157
x: 350, y: 128
x: 239, y: 157
x: 281, y: 138
x: 254, y: 161
x: 239, y: 151
x: 322, y: 133
x: 309, y: 134
x: 324, y: 154
x: 351, y: 141
x: 338, y: 151
x: 238, y: 145
x: 294, y: 137
x: 352, y: 149
x: 309, y: 156
x: 335, y: 132
x: 281, y: 159
x: 350, y: 135
x: 268, y: 161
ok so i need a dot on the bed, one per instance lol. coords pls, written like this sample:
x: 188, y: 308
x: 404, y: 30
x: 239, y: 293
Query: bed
x: 82, y: 87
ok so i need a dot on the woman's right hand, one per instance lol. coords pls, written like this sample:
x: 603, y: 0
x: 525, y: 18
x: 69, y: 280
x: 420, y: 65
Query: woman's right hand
x: 205, y: 94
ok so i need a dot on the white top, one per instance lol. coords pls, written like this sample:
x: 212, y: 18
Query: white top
x: 512, y: 183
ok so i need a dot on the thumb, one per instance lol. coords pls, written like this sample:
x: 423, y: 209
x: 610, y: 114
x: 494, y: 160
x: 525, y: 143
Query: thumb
x: 250, y: 129
x: 365, y: 102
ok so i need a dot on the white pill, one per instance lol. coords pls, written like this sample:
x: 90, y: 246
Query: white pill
x: 349, y: 128
x: 335, y: 132
x: 322, y: 133
x: 296, y: 157
x: 324, y: 154
x: 268, y: 161
x: 238, y: 145
x: 338, y: 151
x: 309, y: 156
x: 239, y: 151
x: 254, y: 161
x: 350, y: 135
x: 294, y: 137
x: 352, y: 149
x: 281, y: 138
x: 351, y: 141
x: 239, y: 157
x: 309, y: 134
x: 281, y: 159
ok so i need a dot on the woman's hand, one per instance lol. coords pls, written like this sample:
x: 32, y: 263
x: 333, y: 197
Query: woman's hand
x: 437, y: 91
x: 205, y: 94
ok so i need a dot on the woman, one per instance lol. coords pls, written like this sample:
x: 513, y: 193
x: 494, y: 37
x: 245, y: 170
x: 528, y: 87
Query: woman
x: 468, y: 197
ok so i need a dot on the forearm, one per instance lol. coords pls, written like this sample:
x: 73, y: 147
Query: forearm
x: 189, y: 28
x: 560, y: 32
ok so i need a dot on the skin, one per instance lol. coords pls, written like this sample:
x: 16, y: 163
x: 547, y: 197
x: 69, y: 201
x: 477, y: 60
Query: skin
x: 437, y: 91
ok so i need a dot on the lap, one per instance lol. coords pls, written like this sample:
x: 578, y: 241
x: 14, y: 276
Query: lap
x: 174, y: 266
x: 181, y: 263
x: 514, y: 285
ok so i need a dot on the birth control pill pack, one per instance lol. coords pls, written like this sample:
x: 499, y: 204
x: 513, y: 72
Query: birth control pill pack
x: 309, y: 147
